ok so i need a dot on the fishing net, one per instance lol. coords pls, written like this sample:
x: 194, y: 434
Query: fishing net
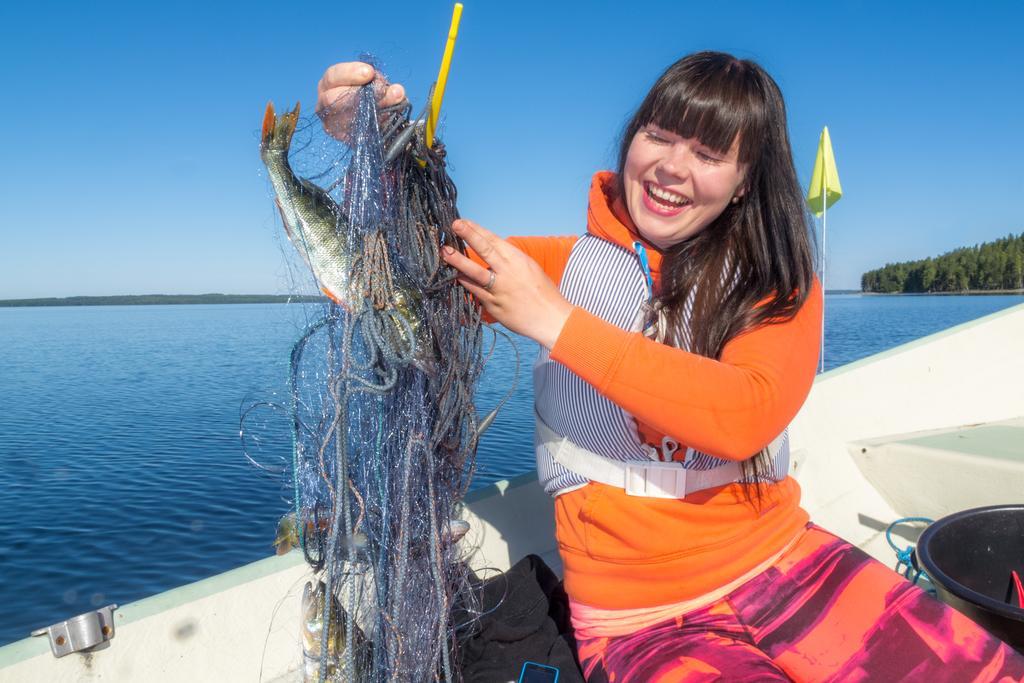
x: 381, y: 402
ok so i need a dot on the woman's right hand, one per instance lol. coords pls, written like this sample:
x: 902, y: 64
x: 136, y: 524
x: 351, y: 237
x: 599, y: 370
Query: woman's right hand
x: 335, y: 104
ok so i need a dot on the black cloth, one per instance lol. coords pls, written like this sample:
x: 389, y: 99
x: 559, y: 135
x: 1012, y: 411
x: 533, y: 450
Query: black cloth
x: 526, y: 619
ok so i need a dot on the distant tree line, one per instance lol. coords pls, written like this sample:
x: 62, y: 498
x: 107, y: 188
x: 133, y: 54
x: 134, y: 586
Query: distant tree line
x: 988, y: 266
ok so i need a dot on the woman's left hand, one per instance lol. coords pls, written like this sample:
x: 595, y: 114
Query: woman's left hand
x: 515, y: 290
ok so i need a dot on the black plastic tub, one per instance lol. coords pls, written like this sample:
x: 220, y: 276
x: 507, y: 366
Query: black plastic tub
x: 969, y: 556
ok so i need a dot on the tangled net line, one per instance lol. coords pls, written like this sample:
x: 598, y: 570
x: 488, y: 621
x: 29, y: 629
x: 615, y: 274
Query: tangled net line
x: 383, y: 422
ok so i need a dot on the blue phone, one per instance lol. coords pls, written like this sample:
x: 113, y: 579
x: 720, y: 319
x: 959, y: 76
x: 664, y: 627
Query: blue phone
x: 538, y: 673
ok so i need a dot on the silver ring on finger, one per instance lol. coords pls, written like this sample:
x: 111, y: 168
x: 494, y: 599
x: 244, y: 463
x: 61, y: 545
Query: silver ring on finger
x: 490, y: 282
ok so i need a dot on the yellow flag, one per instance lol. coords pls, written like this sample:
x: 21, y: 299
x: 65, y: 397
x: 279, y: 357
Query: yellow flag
x: 825, y: 189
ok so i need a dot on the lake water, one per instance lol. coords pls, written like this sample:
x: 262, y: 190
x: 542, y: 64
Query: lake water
x: 120, y: 461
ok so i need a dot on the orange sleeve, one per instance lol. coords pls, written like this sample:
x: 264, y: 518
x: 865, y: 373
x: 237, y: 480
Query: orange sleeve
x: 730, y: 408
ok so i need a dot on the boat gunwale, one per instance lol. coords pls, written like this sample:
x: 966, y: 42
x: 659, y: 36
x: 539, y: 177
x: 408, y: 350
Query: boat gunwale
x: 914, y: 343
x: 29, y: 647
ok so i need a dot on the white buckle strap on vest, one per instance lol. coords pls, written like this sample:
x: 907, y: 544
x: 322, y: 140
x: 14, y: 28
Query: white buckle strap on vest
x: 650, y: 480
x: 637, y: 477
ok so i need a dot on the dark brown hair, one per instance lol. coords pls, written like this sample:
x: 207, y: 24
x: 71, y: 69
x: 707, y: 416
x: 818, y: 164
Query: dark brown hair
x: 754, y: 264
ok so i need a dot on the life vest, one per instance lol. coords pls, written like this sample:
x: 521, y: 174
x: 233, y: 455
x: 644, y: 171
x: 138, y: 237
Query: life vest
x: 582, y: 436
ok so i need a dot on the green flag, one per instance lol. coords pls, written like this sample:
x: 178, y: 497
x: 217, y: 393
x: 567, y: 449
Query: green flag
x: 825, y: 189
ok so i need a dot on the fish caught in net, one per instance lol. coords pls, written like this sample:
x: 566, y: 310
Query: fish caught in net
x: 381, y: 400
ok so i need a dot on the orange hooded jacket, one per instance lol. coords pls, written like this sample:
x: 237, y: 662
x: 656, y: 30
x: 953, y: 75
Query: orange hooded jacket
x: 623, y: 551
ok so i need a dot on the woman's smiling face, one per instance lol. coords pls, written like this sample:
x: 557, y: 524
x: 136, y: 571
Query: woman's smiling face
x: 675, y: 187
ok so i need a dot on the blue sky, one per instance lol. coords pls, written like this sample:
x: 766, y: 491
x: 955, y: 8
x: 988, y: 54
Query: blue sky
x: 130, y: 155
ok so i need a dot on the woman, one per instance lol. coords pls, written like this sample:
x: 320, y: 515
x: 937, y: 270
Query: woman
x: 680, y: 337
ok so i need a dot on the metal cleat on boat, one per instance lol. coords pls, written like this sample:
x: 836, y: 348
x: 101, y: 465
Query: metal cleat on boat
x: 86, y: 632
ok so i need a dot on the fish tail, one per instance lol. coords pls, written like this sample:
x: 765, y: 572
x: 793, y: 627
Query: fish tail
x: 278, y: 130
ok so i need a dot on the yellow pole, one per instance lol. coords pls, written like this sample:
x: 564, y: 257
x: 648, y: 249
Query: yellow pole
x: 442, y: 75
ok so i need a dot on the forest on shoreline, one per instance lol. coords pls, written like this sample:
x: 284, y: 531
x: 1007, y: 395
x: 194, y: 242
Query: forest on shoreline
x: 989, y: 267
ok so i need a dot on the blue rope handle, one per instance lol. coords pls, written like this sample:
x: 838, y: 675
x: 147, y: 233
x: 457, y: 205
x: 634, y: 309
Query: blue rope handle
x: 905, y: 556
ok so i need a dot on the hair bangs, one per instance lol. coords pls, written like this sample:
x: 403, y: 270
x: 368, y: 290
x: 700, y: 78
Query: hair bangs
x: 716, y: 104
